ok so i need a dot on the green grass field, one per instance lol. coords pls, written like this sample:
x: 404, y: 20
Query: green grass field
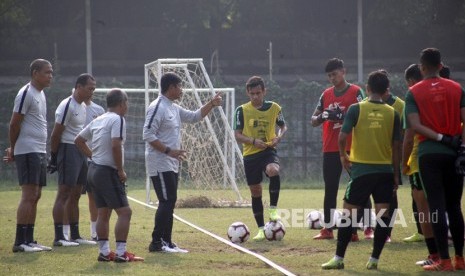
x: 297, y: 253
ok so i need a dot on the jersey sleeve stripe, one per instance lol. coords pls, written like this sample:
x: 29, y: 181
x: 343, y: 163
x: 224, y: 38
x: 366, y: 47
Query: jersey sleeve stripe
x: 153, y: 114
x: 66, y: 111
x: 22, y: 99
x: 121, y: 128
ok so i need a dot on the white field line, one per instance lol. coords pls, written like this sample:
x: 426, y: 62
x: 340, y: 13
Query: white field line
x: 223, y: 240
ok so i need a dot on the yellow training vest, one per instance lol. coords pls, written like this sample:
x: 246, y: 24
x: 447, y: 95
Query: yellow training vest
x: 259, y: 125
x: 372, y: 135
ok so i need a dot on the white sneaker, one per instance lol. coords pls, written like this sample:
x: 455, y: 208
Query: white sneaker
x: 25, y: 248
x: 167, y: 249
x: 178, y: 250
x: 65, y: 243
x: 84, y: 241
x: 38, y: 245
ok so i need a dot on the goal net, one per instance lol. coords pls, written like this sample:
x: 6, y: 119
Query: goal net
x: 213, y: 167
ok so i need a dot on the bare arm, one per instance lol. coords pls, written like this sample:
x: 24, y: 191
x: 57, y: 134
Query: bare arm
x: 414, y: 120
x: 82, y: 146
x: 407, y: 147
x: 241, y: 138
x: 174, y: 153
x: 13, y: 134
x: 116, y: 144
x: 215, y: 101
x: 342, y: 141
x: 396, y: 149
x: 316, y: 119
x: 56, y: 137
x: 279, y: 136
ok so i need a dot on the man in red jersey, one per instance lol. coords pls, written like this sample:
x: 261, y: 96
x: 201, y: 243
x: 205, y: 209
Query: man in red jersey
x: 329, y: 112
x: 435, y: 109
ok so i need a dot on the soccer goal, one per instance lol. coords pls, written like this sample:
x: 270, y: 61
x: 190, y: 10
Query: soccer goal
x: 213, y: 167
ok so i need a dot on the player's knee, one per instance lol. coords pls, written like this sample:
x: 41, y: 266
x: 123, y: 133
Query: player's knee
x: 272, y: 170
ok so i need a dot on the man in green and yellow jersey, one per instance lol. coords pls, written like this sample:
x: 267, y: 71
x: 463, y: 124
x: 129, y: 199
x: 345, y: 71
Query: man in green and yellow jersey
x: 373, y: 162
x: 255, y: 127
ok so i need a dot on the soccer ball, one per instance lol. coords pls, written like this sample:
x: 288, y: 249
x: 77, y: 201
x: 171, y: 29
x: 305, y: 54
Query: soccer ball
x: 238, y: 232
x: 314, y: 219
x: 274, y: 231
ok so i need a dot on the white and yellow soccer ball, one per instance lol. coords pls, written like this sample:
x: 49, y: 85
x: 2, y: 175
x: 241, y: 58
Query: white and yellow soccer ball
x: 274, y: 230
x: 314, y: 219
x: 238, y: 232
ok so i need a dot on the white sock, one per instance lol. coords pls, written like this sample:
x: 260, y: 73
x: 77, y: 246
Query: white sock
x: 66, y: 231
x: 337, y: 258
x: 373, y: 260
x: 104, y: 247
x: 93, y: 229
x: 120, y: 248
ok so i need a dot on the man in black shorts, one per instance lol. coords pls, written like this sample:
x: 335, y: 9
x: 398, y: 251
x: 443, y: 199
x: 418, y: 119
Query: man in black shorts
x: 435, y: 109
x: 163, y: 152
x: 70, y: 117
x: 255, y: 127
x: 106, y: 175
x: 28, y: 140
x: 373, y: 164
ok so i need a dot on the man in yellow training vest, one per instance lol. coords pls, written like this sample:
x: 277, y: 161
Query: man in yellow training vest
x: 255, y: 127
x: 374, y: 153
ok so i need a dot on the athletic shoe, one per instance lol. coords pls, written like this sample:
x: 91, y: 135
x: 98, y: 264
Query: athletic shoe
x: 333, y: 264
x: 417, y: 237
x: 175, y: 247
x: 106, y: 258
x: 325, y: 234
x: 38, y: 245
x: 429, y: 261
x: 369, y: 233
x: 65, y: 243
x: 84, y: 241
x: 372, y: 265
x: 388, y: 239
x: 459, y: 263
x: 25, y: 248
x: 128, y: 257
x: 274, y: 216
x: 161, y: 247
x: 260, y: 236
x: 441, y: 265
x: 354, y: 238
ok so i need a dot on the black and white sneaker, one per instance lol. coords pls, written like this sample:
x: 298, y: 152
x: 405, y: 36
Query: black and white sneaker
x: 65, y: 243
x: 82, y: 241
x: 38, y: 245
x: 161, y: 247
x: 25, y: 248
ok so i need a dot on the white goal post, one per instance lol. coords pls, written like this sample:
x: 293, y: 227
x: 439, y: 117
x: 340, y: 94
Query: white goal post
x: 214, y: 165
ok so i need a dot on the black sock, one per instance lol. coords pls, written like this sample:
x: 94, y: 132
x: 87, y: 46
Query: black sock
x: 343, y: 238
x: 392, y: 209
x: 74, y: 229
x: 257, y: 209
x: 415, y: 216
x: 431, y: 245
x: 30, y: 233
x: 381, y: 234
x: 20, y: 234
x: 59, y: 231
x: 275, y: 186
